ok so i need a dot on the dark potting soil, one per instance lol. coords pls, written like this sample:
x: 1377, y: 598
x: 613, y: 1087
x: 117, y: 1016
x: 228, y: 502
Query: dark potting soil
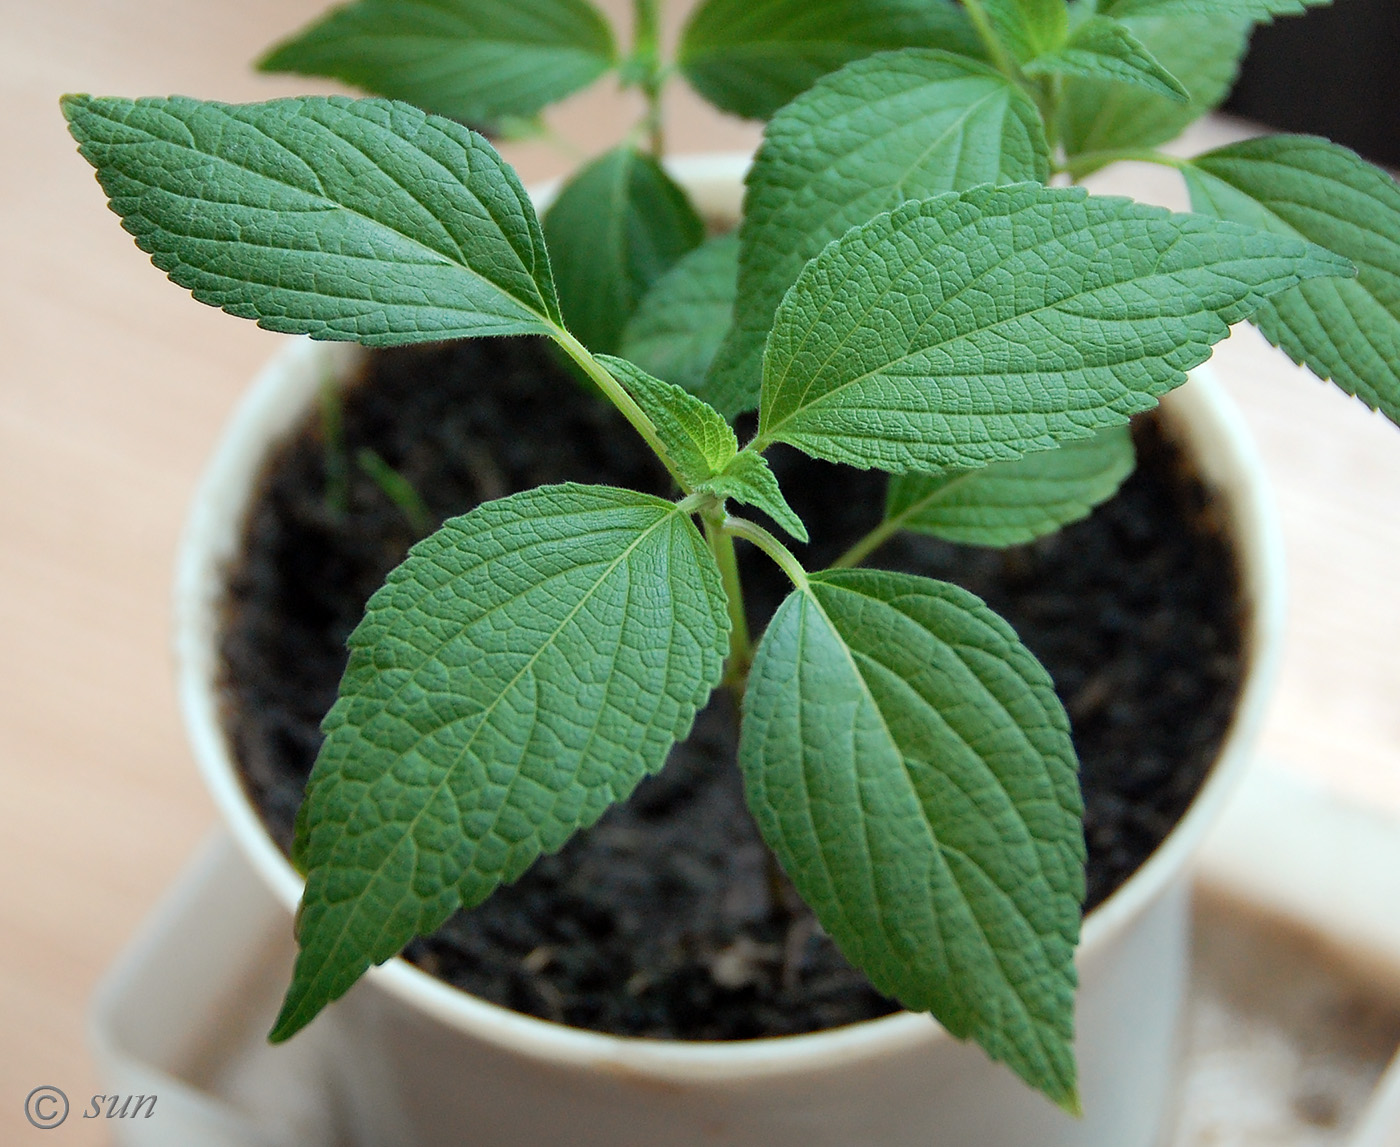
x: 667, y: 919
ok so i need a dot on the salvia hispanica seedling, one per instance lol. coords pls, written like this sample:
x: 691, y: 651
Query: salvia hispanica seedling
x: 905, y: 292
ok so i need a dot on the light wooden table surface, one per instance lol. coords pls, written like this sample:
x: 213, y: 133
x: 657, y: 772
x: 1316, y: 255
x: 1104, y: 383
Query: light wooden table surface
x: 113, y: 390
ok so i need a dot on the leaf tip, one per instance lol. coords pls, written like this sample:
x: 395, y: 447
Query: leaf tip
x: 296, y: 1013
x: 1070, y: 1103
x: 73, y: 105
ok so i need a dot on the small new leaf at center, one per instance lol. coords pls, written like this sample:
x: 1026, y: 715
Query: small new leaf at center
x: 698, y: 442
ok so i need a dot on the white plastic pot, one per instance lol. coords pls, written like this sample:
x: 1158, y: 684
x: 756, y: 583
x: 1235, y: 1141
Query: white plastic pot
x: 424, y: 1064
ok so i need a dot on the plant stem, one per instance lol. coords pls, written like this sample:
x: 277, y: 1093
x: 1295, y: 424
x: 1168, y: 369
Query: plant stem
x: 753, y: 532
x: 1088, y: 162
x: 619, y: 397
x: 1050, y: 110
x: 736, y: 669
x: 1001, y: 58
x: 869, y: 544
x: 646, y: 50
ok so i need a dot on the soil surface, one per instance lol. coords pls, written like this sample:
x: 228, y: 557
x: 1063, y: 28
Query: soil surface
x: 668, y: 918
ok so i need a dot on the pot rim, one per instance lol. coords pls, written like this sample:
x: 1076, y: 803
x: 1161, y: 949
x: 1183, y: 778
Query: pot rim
x: 1199, y: 415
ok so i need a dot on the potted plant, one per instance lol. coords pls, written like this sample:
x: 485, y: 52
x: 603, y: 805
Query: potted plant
x: 905, y: 293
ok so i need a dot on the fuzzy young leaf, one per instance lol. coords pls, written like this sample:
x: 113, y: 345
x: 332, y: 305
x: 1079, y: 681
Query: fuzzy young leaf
x: 899, y: 125
x: 682, y: 319
x: 750, y: 57
x: 617, y: 226
x: 1202, y: 52
x: 362, y: 220
x: 521, y: 671
x: 473, y: 60
x: 747, y: 479
x: 1346, y: 330
x: 698, y: 441
x: 1029, y: 28
x: 1255, y: 10
x: 907, y: 760
x: 1106, y: 49
x: 1008, y: 503
x: 981, y: 326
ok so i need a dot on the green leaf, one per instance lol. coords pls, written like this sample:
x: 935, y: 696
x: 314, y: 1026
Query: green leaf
x: 1202, y: 52
x: 521, y: 671
x: 697, y: 439
x: 747, y: 479
x: 1255, y: 10
x: 703, y: 447
x: 682, y: 319
x: 1008, y: 503
x: 981, y: 326
x: 473, y: 60
x: 342, y: 219
x: 896, y: 126
x: 750, y: 57
x: 1029, y: 28
x: 906, y: 759
x: 1347, y: 330
x: 617, y: 227
x: 1104, y: 48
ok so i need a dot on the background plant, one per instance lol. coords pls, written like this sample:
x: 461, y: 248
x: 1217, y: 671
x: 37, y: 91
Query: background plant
x: 904, y: 292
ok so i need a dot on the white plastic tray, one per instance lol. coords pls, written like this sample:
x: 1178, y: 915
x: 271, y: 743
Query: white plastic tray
x: 1294, y: 1016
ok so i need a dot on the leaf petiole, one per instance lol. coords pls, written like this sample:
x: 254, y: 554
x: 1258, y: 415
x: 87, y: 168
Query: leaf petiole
x: 651, y: 75
x: 753, y: 532
x: 872, y: 541
x: 618, y: 396
x: 736, y: 669
x: 1001, y: 58
x: 1088, y: 162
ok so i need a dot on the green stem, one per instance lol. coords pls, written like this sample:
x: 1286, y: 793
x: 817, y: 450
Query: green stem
x: 753, y: 532
x: 646, y: 49
x: 1050, y: 110
x: 869, y: 544
x: 619, y: 397
x: 1001, y: 58
x: 895, y: 523
x: 740, y: 643
x: 1088, y: 162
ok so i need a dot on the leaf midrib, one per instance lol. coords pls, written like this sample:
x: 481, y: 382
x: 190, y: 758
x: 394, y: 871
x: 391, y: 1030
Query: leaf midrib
x: 485, y: 714
x: 803, y: 407
x: 935, y: 842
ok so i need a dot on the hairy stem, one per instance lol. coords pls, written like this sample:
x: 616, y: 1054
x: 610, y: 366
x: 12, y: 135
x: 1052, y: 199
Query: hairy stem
x: 618, y: 396
x: 646, y: 50
x: 736, y: 669
x: 869, y: 544
x: 1001, y: 58
x: 753, y: 532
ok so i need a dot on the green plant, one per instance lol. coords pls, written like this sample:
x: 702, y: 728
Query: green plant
x: 905, y: 292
